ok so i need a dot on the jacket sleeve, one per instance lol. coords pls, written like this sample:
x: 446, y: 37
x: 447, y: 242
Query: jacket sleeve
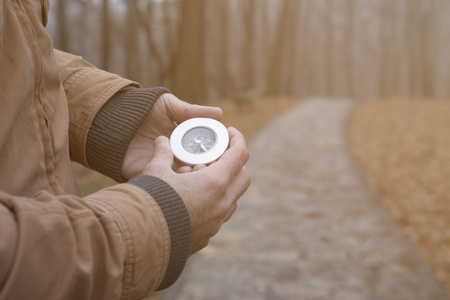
x: 113, y: 244
x: 87, y: 89
x: 105, y: 112
x: 115, y: 125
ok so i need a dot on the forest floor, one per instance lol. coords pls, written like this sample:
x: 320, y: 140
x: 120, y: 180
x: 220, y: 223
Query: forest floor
x: 401, y: 144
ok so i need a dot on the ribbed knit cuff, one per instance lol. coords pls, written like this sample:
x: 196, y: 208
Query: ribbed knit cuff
x: 178, y: 222
x: 115, y: 126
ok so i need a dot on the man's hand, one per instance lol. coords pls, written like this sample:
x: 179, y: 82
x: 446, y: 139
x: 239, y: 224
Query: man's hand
x: 160, y: 121
x: 209, y: 192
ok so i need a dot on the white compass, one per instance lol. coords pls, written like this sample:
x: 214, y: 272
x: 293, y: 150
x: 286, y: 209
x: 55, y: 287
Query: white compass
x: 199, y: 141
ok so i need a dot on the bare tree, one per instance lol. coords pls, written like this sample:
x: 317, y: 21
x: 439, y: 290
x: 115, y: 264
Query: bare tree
x: 131, y: 45
x: 61, y: 29
x: 187, y: 71
x: 244, y: 48
x: 282, y: 36
x: 105, y: 35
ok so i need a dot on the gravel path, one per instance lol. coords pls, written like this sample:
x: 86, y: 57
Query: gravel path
x: 309, y: 227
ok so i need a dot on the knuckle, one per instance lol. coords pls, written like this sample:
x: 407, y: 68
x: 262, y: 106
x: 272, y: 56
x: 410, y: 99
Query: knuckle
x: 248, y: 179
x: 222, y: 211
x: 199, y: 245
x: 244, y: 154
x: 204, y: 244
x: 216, y: 184
x: 220, y: 184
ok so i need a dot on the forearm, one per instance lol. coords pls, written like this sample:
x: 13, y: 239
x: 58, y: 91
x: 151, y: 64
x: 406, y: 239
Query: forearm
x: 115, y: 126
x: 114, y: 243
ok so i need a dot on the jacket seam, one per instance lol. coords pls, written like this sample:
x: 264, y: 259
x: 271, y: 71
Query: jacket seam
x: 70, y: 82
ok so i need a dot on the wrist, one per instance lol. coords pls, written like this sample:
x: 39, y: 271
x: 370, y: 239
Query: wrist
x: 115, y: 126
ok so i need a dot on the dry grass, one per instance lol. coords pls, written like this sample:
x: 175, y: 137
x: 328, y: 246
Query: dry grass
x: 404, y: 145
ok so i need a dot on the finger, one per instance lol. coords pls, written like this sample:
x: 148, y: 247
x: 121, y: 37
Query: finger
x: 184, y: 169
x: 198, y: 167
x: 198, y: 111
x: 162, y: 154
x: 240, y: 184
x: 237, y: 188
x: 231, y: 212
x: 232, y: 161
x: 180, y: 111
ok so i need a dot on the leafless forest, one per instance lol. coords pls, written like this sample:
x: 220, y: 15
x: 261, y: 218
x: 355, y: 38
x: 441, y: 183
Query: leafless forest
x: 211, y: 49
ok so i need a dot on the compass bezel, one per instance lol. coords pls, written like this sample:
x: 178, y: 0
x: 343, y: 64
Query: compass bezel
x: 204, y: 158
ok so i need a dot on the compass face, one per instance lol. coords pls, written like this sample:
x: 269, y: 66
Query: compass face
x: 199, y: 140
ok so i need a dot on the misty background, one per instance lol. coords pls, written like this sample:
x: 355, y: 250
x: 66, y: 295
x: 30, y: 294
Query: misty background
x: 244, y: 49
x: 289, y: 50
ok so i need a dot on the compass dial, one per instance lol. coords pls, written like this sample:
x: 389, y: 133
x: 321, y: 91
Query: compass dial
x: 199, y: 140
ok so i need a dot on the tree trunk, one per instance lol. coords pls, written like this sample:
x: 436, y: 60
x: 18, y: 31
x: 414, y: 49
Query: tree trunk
x: 61, y: 33
x: 105, y: 45
x: 188, y: 74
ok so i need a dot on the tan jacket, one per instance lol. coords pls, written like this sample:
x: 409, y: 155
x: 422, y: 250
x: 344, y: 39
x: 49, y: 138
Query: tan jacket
x: 118, y: 243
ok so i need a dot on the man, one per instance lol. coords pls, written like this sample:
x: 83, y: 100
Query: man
x: 122, y: 242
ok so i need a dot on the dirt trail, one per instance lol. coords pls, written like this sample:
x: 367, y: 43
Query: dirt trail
x: 310, y: 227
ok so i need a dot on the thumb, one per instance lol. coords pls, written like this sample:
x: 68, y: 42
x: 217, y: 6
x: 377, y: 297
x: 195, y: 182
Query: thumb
x: 162, y: 156
x: 162, y: 151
